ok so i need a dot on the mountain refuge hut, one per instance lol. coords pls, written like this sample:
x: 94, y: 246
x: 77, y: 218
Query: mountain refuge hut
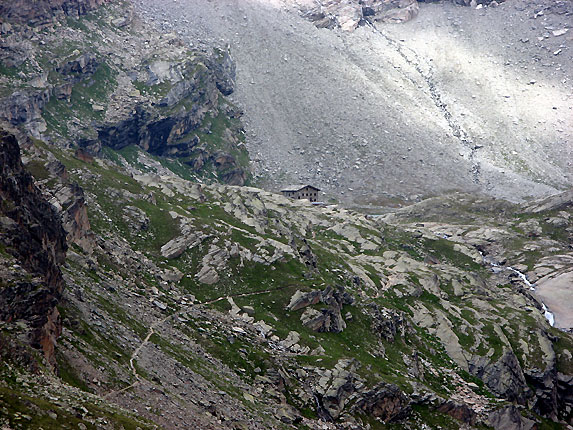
x: 299, y: 192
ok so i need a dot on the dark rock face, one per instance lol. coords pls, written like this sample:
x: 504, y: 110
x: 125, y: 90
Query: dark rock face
x: 224, y: 68
x: 70, y: 198
x: 460, y: 412
x: 39, y: 12
x: 69, y: 201
x: 545, y: 392
x: 24, y: 107
x: 305, y: 252
x: 564, y: 385
x: 328, y: 319
x: 170, y: 104
x: 171, y: 126
x: 31, y: 231
x: 553, y: 393
x: 388, y: 323
x: 85, y: 64
x: 331, y: 404
x: 385, y: 401
x: 504, y: 377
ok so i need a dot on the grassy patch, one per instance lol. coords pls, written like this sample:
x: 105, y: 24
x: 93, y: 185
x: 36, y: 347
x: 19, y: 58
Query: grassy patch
x: 444, y: 249
x: 68, y: 374
x: 24, y: 411
x: 38, y: 170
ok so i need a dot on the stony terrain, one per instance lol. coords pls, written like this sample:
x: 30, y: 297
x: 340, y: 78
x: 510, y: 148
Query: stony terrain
x: 138, y: 291
x: 459, y: 98
x: 233, y: 307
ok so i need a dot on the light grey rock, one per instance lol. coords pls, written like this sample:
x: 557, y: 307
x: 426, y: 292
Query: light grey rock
x: 509, y: 418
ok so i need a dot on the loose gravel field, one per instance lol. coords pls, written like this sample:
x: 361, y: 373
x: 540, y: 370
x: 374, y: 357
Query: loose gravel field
x: 456, y: 99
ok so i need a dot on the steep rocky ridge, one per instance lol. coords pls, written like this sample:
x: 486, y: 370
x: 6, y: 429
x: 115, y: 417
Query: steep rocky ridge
x: 33, y: 248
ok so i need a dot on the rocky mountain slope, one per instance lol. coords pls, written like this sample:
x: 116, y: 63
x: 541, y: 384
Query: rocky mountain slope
x: 107, y: 81
x: 459, y: 98
x: 230, y: 307
x: 162, y: 298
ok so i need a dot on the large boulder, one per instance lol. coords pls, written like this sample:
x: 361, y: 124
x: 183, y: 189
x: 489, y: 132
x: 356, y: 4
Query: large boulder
x: 333, y: 389
x: 327, y: 319
x: 509, y: 418
x: 85, y: 64
x: 385, y: 401
x: 222, y: 64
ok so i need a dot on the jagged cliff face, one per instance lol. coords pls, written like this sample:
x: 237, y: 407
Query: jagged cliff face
x: 33, y: 240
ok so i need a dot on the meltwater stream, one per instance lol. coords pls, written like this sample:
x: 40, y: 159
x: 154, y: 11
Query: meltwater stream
x: 548, y: 315
x: 531, y: 286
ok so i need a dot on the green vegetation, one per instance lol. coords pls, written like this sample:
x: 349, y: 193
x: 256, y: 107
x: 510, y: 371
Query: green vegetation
x: 444, y: 249
x: 38, y: 170
x: 21, y: 410
x: 86, y: 95
x: 69, y: 374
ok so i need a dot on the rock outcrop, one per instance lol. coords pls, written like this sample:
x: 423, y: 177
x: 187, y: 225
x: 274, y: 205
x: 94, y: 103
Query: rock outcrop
x: 509, y: 418
x: 388, y: 323
x: 328, y: 319
x: 349, y: 15
x: 30, y: 231
x: 25, y: 107
x: 69, y: 199
x: 460, y: 412
x: 552, y: 389
x: 504, y: 377
x: 45, y: 11
x: 334, y: 389
x: 385, y: 401
x: 169, y: 100
x: 80, y: 68
x: 224, y: 68
x: 174, y: 125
